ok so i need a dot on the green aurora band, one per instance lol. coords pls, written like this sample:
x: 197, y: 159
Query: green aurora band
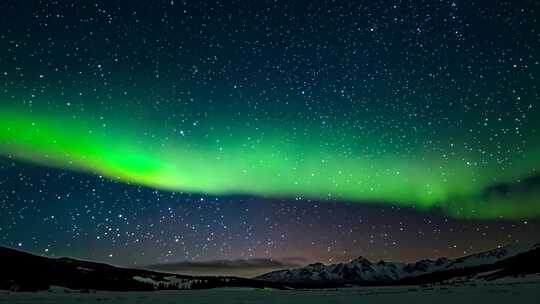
x: 274, y: 165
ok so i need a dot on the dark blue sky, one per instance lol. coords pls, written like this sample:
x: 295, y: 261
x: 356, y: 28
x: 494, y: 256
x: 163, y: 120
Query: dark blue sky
x: 451, y: 79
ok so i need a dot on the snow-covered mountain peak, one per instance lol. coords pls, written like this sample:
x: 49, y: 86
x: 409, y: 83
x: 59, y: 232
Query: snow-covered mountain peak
x: 360, y: 261
x: 361, y: 270
x: 316, y: 266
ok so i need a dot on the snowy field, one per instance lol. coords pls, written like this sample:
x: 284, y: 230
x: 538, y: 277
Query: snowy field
x: 507, y: 292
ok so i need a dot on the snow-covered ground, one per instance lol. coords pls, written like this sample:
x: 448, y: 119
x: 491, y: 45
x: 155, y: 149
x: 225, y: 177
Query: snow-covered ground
x: 509, y: 291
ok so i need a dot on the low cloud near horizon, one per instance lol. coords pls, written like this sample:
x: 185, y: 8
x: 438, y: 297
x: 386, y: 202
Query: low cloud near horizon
x: 241, y: 267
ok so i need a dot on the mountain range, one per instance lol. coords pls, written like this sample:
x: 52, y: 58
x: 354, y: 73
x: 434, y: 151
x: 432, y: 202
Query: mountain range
x: 21, y: 271
x: 488, y: 265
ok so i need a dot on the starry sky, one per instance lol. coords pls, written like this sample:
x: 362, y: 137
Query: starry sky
x: 243, y: 136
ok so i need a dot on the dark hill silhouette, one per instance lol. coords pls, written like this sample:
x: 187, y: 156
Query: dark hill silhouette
x: 21, y: 271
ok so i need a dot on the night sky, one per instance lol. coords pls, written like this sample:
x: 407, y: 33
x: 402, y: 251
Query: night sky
x: 243, y: 136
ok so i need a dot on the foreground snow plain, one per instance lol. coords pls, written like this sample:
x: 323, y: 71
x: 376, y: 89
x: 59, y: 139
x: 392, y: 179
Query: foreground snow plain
x: 509, y: 291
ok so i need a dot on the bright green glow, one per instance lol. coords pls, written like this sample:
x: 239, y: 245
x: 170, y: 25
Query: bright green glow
x: 272, y: 166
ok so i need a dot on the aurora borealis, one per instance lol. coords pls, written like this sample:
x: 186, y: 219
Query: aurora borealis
x: 395, y: 112
x: 231, y: 164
